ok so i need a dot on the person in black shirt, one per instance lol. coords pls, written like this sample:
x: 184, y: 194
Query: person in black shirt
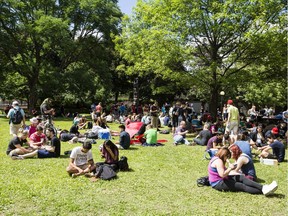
x: 54, y: 147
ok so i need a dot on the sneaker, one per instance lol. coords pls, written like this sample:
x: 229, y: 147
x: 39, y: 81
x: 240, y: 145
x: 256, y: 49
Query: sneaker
x: 175, y: 144
x: 17, y: 157
x: 89, y: 175
x: 73, y: 175
x: 269, y: 189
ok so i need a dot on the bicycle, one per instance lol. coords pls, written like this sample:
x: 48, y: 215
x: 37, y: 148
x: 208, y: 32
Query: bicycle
x: 49, y: 124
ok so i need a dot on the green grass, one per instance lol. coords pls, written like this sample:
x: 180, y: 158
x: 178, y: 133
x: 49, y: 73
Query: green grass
x: 163, y: 182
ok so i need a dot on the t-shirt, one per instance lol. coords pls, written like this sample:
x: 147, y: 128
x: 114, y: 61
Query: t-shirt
x: 74, y: 130
x: 211, y: 141
x: 124, y: 140
x: 35, y: 137
x: 234, y: 113
x: 244, y: 147
x: 12, y: 144
x: 55, y: 142
x: 205, y: 135
x: 32, y: 129
x: 278, y: 150
x: 151, y: 136
x: 180, y: 129
x: 80, y: 158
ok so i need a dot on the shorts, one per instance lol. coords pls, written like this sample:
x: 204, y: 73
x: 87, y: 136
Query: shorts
x: 14, y: 128
x: 232, y: 127
x: 43, y: 153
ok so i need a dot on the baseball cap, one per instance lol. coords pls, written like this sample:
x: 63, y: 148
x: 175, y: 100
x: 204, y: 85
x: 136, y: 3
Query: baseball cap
x: 275, y: 130
x: 230, y: 102
x: 15, y: 103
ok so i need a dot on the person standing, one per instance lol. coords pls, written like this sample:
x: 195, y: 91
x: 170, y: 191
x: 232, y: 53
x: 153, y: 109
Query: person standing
x: 154, y: 110
x: 233, y: 120
x: 16, y: 116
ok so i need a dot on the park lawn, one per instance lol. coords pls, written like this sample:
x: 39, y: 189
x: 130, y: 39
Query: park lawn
x: 162, y: 182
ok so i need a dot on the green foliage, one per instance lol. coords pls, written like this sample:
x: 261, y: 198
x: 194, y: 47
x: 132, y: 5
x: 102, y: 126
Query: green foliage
x: 44, y: 40
x: 212, y: 43
x: 162, y: 182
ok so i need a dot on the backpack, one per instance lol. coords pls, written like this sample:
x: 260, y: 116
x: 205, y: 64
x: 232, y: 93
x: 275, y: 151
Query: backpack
x: 105, y: 172
x: 203, y: 181
x: 123, y: 164
x: 17, y: 116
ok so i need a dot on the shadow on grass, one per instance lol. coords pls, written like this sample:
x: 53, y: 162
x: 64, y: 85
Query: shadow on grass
x: 279, y: 196
x: 260, y: 180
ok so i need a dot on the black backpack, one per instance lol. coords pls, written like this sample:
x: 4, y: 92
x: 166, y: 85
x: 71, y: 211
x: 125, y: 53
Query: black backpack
x: 123, y: 164
x: 105, y: 172
x: 203, y: 181
x: 17, y: 116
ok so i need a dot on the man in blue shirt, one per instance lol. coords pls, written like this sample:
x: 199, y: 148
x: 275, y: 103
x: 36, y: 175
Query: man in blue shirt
x: 277, y: 147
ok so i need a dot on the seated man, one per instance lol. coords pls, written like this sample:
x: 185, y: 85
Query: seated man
x: 124, y: 140
x: 54, y: 147
x: 38, y: 138
x: 203, y: 137
x: 15, y: 148
x: 215, y: 141
x: 180, y: 134
x: 81, y: 161
x: 277, y: 147
x: 150, y: 135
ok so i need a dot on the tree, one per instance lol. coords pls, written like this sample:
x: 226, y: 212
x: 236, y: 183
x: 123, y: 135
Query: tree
x: 213, y: 41
x: 44, y: 41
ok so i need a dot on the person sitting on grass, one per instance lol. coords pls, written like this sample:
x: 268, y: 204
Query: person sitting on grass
x: 33, y: 126
x: 220, y: 180
x: 110, y: 153
x: 203, y: 137
x: 124, y: 138
x: 150, y: 136
x: 81, y: 161
x: 277, y: 147
x: 180, y: 134
x: 244, y: 163
x: 38, y: 138
x: 215, y: 141
x: 53, y: 149
x: 15, y: 148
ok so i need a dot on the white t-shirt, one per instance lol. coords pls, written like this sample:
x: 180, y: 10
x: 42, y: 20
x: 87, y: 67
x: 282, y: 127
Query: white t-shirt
x: 96, y: 128
x: 80, y: 158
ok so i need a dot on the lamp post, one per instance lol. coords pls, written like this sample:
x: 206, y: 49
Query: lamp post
x: 222, y: 93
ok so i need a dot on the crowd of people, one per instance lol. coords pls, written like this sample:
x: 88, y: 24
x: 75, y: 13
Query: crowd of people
x: 228, y: 133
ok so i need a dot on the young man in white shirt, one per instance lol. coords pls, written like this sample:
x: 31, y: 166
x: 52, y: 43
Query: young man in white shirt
x: 81, y: 161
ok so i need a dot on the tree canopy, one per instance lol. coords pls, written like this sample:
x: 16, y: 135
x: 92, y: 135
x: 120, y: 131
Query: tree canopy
x: 207, y: 45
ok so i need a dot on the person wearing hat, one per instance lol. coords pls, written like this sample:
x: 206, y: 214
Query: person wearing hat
x: 14, y: 121
x: 33, y: 125
x: 15, y: 147
x: 277, y: 147
x: 233, y: 120
x: 274, y: 131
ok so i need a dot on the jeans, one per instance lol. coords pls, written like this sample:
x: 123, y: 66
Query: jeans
x: 178, y: 139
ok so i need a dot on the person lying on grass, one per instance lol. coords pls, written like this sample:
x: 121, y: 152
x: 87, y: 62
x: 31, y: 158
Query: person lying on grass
x: 81, y: 161
x: 220, y: 180
x: 15, y: 148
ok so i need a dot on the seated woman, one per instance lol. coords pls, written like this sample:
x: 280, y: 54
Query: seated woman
x: 33, y: 126
x: 109, y: 151
x: 220, y: 180
x: 244, y: 163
